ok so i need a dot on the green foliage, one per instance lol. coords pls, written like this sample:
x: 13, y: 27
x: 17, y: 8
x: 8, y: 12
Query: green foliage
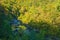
x: 58, y: 8
x: 5, y: 29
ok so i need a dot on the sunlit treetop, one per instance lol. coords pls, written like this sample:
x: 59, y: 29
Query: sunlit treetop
x: 35, y: 10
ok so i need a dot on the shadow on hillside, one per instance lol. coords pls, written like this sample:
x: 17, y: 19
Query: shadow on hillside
x: 6, y: 18
x: 46, y: 31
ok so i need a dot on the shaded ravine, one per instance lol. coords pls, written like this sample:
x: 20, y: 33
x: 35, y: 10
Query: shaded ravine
x: 29, y: 31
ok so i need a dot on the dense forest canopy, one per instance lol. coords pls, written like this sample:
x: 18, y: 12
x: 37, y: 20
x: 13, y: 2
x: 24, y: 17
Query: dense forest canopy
x: 30, y: 19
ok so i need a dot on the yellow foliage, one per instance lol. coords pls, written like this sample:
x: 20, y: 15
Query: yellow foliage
x: 22, y: 27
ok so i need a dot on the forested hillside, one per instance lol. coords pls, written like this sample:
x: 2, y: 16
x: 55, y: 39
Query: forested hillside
x: 29, y: 19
